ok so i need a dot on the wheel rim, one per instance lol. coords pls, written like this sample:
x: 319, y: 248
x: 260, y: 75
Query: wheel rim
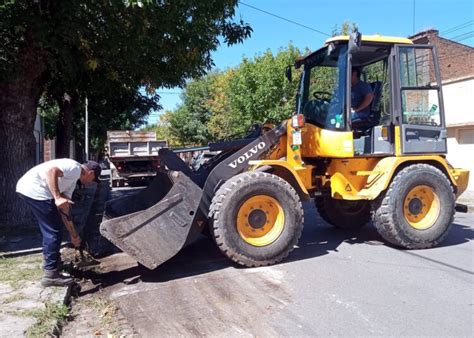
x: 421, y: 207
x: 260, y: 220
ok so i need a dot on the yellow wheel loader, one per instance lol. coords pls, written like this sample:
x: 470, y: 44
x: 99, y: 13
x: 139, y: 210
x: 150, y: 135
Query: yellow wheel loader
x: 388, y: 167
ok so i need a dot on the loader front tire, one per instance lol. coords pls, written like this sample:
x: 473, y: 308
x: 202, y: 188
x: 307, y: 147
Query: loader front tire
x: 343, y: 214
x: 256, y: 219
x: 417, y: 210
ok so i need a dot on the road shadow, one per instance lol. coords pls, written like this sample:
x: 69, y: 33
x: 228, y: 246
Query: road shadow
x: 203, y: 256
x: 458, y: 234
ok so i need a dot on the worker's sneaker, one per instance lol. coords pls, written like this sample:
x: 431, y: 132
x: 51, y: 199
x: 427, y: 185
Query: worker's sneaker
x: 54, y: 278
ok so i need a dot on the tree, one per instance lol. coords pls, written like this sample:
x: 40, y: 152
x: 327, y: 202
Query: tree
x: 205, y: 101
x: 71, y: 47
x: 189, y: 122
x: 163, y: 129
x: 259, y: 90
x: 225, y: 122
x: 125, y: 109
x: 345, y: 29
x: 224, y: 105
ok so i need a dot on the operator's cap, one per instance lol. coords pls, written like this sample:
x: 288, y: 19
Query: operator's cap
x: 94, y: 166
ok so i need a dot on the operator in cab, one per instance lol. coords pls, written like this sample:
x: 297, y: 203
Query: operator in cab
x: 361, y: 96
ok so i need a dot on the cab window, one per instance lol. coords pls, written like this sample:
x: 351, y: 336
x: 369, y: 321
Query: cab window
x: 324, y: 101
x: 419, y: 88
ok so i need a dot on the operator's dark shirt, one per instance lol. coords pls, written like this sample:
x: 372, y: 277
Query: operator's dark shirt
x: 358, y: 92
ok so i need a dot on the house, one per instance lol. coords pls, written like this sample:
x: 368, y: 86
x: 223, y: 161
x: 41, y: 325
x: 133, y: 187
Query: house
x: 456, y: 62
x: 46, y: 148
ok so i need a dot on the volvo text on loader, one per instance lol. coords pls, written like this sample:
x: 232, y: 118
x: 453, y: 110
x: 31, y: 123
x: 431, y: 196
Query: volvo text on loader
x: 390, y: 168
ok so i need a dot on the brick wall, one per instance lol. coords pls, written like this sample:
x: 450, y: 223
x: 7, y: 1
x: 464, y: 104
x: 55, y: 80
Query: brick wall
x: 455, y: 59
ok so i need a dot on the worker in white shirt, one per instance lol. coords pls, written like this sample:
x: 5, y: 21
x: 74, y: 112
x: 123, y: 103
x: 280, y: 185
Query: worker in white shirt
x: 47, y: 188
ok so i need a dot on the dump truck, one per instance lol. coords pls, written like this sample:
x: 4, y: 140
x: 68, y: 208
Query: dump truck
x: 389, y: 168
x: 133, y: 156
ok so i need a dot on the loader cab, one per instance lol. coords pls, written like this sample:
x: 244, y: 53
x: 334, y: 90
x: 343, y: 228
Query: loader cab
x: 406, y: 112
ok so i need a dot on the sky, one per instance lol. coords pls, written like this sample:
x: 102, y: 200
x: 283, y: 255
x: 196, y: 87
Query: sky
x: 453, y: 18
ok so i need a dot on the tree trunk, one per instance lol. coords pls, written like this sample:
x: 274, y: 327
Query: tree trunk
x: 64, y: 125
x: 18, y: 146
x: 18, y: 101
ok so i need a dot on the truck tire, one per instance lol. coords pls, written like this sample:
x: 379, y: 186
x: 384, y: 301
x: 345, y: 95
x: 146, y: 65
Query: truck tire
x: 417, y: 210
x: 343, y: 214
x: 256, y: 219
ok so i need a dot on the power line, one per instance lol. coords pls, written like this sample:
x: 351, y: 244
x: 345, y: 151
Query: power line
x: 414, y: 16
x: 284, y: 19
x: 467, y: 37
x: 170, y: 93
x: 458, y: 27
x: 463, y: 27
x: 461, y: 35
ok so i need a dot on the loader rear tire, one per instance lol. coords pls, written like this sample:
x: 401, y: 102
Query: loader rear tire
x: 256, y: 219
x: 417, y: 210
x: 343, y: 214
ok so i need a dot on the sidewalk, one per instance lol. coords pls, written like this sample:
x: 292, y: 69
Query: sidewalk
x: 26, y: 308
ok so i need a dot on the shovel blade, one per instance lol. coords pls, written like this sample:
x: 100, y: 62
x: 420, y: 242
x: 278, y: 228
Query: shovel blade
x: 160, y: 229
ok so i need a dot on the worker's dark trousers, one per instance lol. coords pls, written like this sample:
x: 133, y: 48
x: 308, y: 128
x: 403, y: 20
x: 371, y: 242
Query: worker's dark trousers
x: 51, y: 226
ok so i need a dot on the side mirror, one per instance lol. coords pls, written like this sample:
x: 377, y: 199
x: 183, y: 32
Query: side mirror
x: 355, y: 39
x: 288, y: 73
x: 331, y: 48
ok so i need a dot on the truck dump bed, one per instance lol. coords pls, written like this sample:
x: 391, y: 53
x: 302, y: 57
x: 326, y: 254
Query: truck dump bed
x: 133, y: 155
x: 129, y: 143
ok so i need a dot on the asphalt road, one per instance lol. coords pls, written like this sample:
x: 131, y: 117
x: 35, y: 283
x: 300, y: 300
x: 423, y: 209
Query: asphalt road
x: 334, y: 283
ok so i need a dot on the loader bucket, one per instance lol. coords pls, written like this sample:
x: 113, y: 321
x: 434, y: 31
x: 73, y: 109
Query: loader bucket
x: 153, y: 225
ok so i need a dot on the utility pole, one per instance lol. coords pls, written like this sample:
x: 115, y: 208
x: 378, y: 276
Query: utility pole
x: 87, y: 132
x: 414, y: 13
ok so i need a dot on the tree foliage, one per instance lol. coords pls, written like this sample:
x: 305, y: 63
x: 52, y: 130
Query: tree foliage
x: 67, y: 49
x: 161, y: 43
x: 225, y: 104
x: 259, y: 90
x: 163, y: 130
x: 345, y: 29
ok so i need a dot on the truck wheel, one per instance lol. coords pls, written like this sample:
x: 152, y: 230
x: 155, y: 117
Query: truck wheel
x: 417, y: 210
x: 257, y: 218
x: 343, y: 214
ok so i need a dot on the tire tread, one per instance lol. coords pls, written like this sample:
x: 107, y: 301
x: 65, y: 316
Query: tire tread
x: 383, y: 211
x: 217, y: 227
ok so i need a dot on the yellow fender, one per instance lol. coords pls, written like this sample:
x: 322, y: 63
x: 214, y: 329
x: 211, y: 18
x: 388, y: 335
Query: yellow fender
x: 299, y: 177
x: 379, y: 178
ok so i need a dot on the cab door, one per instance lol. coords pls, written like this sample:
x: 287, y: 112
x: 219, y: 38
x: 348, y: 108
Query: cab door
x: 419, y: 102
